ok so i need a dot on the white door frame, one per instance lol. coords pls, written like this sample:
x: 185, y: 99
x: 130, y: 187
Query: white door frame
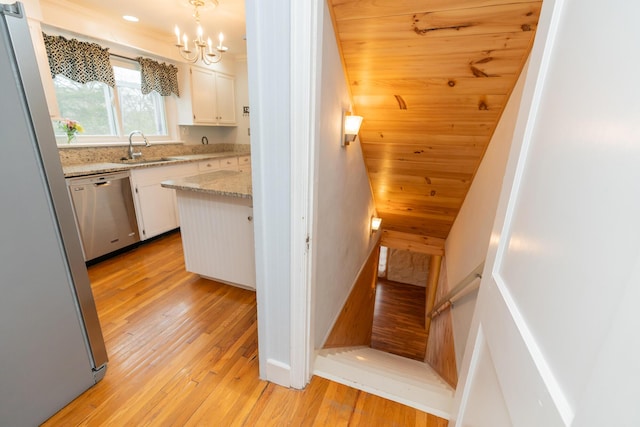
x: 306, y: 49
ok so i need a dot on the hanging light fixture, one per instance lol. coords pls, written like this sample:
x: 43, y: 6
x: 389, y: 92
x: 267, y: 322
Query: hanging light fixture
x: 202, y: 50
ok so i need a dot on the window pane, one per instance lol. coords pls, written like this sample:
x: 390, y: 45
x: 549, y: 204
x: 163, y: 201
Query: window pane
x: 139, y: 112
x: 126, y: 75
x: 89, y: 104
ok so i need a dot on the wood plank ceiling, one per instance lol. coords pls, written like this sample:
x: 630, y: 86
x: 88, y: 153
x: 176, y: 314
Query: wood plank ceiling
x: 431, y: 79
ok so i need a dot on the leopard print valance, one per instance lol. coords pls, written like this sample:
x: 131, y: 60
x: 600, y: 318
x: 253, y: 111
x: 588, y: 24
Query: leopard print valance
x: 163, y: 78
x: 80, y: 61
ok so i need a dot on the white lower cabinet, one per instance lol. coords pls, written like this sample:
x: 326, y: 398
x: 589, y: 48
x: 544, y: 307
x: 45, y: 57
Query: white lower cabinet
x: 156, y: 207
x: 157, y: 210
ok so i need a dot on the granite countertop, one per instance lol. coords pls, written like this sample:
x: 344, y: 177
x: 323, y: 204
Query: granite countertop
x: 222, y: 183
x: 105, y: 167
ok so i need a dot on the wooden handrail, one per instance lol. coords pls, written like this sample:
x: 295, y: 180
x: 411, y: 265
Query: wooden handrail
x: 458, y: 291
x: 433, y: 278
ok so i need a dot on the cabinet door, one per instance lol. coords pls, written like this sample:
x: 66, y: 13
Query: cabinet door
x: 226, y: 99
x: 203, y: 96
x: 158, y: 209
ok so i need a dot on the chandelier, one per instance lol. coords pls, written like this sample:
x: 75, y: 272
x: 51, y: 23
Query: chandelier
x: 204, y: 51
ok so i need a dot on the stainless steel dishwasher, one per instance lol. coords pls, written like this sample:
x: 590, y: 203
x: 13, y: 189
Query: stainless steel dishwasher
x: 104, y: 211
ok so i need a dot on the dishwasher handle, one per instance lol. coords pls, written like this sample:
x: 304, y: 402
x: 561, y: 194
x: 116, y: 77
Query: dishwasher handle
x: 99, y: 184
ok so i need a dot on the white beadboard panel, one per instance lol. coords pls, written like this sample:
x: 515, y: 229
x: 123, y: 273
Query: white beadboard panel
x: 217, y: 236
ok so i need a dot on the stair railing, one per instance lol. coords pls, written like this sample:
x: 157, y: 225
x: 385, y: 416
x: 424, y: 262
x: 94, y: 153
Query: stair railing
x: 460, y: 290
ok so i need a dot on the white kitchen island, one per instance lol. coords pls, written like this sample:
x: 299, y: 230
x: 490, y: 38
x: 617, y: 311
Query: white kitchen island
x: 216, y: 223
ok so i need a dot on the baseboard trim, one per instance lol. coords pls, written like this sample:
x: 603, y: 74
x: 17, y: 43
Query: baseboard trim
x: 278, y: 373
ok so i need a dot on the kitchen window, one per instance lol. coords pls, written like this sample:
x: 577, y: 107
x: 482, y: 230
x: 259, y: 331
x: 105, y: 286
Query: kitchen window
x: 110, y: 114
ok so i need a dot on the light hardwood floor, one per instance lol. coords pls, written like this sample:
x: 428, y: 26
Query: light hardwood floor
x: 398, y: 322
x: 183, y: 352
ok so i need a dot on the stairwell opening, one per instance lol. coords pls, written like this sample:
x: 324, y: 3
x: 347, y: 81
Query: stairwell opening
x: 399, y: 313
x: 351, y: 356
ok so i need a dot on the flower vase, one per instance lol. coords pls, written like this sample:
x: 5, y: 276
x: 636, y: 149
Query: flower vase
x: 71, y: 137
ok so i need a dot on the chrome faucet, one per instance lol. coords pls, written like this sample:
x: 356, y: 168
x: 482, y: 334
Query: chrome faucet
x: 133, y: 155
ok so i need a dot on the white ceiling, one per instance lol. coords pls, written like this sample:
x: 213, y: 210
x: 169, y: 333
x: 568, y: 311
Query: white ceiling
x: 162, y: 15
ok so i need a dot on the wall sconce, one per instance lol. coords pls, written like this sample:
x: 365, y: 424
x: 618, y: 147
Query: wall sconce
x: 375, y: 224
x: 351, y: 127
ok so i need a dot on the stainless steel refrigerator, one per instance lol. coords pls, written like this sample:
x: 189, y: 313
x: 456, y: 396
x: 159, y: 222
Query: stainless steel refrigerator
x: 51, y: 344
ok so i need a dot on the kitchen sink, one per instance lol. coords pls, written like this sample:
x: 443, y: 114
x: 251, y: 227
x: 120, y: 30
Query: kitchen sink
x: 146, y: 160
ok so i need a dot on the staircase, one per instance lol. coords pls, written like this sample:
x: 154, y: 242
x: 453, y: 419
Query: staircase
x: 396, y: 378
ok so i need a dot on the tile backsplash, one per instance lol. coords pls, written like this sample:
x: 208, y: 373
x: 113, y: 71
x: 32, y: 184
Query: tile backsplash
x: 82, y: 155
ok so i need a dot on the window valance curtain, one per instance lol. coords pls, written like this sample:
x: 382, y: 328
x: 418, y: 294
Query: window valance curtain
x: 163, y: 78
x: 80, y: 61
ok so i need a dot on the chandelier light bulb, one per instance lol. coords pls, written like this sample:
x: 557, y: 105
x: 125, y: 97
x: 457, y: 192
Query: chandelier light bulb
x: 185, y: 40
x: 177, y: 31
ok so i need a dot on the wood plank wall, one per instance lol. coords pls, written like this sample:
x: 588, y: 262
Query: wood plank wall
x: 354, y: 324
x: 441, y: 353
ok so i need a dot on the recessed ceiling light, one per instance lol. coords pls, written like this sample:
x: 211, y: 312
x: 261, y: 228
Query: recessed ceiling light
x: 130, y: 18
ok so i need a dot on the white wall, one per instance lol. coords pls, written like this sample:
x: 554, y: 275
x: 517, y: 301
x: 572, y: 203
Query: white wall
x: 344, y: 201
x: 467, y: 243
x: 242, y: 99
x: 215, y: 134
x: 32, y: 9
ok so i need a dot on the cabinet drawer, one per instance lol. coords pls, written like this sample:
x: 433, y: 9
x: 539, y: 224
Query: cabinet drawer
x: 229, y: 162
x: 209, y: 165
x: 244, y: 161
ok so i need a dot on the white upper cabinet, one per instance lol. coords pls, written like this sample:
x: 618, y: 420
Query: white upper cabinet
x: 207, y: 98
x: 203, y: 96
